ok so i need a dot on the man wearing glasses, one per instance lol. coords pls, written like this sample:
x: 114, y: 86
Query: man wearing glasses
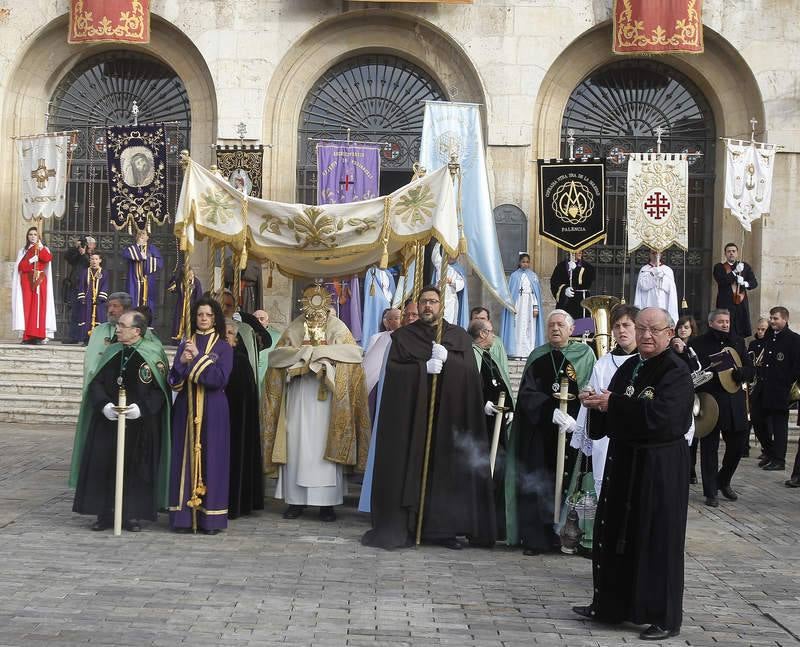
x: 640, y: 526
x: 459, y: 498
x: 138, y: 365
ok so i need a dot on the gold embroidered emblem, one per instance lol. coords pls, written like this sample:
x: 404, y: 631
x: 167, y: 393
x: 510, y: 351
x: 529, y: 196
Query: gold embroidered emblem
x: 42, y: 174
x: 648, y: 394
x: 161, y: 369
x: 314, y: 228
x: 416, y: 206
x: 145, y: 374
x: 217, y: 207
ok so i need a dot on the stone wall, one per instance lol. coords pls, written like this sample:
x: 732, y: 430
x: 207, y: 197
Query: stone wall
x: 255, y: 61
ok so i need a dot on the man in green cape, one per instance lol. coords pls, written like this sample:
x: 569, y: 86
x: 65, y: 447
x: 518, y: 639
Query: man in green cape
x: 536, y: 429
x: 137, y: 362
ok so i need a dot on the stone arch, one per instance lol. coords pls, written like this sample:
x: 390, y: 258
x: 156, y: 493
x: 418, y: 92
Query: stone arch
x: 44, y: 63
x: 720, y: 73
x: 348, y: 35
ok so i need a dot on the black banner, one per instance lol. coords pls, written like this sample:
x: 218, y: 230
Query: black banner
x: 137, y: 175
x: 241, y: 166
x: 572, y: 203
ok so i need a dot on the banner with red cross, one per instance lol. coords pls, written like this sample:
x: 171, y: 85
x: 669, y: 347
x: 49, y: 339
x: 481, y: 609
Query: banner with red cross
x: 658, y: 201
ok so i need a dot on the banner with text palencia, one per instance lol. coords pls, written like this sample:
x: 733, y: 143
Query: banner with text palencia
x: 572, y: 202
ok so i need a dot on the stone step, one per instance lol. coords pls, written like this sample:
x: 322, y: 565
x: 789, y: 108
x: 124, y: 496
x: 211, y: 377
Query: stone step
x: 54, y: 388
x: 51, y: 350
x: 50, y: 375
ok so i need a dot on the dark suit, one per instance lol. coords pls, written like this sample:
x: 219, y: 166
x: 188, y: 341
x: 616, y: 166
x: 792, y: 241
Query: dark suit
x: 732, y: 423
x: 779, y: 369
x: 726, y: 277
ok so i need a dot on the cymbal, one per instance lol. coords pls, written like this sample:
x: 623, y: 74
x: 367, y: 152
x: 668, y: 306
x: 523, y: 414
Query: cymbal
x: 707, y: 414
x: 726, y: 376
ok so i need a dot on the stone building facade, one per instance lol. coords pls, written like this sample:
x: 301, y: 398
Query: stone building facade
x: 535, y: 66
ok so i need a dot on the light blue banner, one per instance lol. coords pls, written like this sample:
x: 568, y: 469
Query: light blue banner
x: 456, y: 128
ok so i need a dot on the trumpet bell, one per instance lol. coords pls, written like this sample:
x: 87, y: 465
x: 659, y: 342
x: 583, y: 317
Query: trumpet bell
x: 600, y: 307
x: 794, y: 392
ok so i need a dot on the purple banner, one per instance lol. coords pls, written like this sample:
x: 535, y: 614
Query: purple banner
x: 347, y: 172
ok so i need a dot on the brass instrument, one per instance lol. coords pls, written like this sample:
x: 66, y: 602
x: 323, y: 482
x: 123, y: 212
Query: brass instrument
x: 600, y: 307
x: 794, y: 392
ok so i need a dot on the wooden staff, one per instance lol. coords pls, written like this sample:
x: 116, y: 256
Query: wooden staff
x: 498, y: 423
x: 563, y: 398
x: 120, y: 409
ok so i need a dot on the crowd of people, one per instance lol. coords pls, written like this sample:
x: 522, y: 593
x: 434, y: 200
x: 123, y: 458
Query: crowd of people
x: 450, y: 453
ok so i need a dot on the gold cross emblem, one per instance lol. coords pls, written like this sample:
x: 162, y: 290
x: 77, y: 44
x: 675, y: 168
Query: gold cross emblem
x: 42, y: 174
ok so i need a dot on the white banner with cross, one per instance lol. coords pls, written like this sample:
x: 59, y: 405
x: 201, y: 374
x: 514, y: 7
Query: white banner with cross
x: 658, y: 201
x: 43, y: 168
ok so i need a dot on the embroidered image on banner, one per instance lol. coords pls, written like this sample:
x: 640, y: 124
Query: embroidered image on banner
x: 43, y: 164
x: 748, y: 180
x: 137, y: 175
x: 658, y: 26
x: 658, y: 190
x: 572, y: 203
x: 242, y: 167
x: 109, y: 21
x: 347, y: 172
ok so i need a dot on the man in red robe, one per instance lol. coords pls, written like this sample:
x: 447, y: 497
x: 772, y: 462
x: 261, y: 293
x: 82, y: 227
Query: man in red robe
x: 32, y: 296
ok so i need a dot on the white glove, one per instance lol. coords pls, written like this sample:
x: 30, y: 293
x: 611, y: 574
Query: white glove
x: 572, y: 265
x: 439, y: 352
x: 489, y: 408
x: 34, y: 258
x: 236, y: 316
x: 510, y: 417
x: 746, y: 284
x: 740, y: 267
x: 740, y: 280
x: 434, y: 366
x: 566, y: 423
x: 108, y: 411
x: 132, y: 412
x: 569, y: 292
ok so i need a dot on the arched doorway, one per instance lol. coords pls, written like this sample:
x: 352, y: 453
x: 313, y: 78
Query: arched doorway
x: 371, y: 98
x: 616, y: 110
x: 96, y: 93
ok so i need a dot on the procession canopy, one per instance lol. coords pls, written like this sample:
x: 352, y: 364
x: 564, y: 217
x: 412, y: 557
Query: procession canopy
x: 317, y: 240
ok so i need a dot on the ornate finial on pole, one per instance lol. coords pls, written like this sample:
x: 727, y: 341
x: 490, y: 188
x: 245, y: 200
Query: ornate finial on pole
x: 753, y: 122
x: 184, y: 159
x: 571, y: 143
x: 241, y: 130
x: 659, y: 132
x: 135, y: 113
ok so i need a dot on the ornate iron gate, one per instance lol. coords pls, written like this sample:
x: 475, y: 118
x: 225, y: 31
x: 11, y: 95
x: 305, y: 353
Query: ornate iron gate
x: 615, y: 111
x: 100, y: 92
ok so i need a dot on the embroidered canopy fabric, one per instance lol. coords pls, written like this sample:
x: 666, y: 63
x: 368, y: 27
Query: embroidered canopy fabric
x: 317, y: 241
x: 658, y: 26
x: 109, y: 21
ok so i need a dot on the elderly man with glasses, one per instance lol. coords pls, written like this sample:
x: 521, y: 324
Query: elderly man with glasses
x: 640, y: 526
x: 460, y: 500
x: 137, y: 364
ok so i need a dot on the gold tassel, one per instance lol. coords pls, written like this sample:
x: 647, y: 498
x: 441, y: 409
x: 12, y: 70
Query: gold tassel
x: 372, y: 286
x: 384, y: 256
x: 684, y: 305
x: 269, y: 277
x: 462, y: 244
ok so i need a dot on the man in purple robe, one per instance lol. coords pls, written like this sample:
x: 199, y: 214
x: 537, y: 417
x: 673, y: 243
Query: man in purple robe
x: 92, y: 296
x: 144, y: 263
x: 199, y: 478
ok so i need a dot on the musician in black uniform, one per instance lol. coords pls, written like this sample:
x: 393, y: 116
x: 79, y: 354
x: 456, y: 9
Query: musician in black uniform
x: 734, y: 278
x: 570, y: 284
x: 779, y: 369
x: 755, y: 350
x: 732, y: 422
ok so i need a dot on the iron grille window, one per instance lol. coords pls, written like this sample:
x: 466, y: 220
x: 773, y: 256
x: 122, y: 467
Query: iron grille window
x: 371, y: 97
x: 616, y: 111
x: 97, y: 93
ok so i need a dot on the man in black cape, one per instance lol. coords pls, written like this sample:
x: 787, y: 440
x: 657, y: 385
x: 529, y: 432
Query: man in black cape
x: 537, y: 424
x: 246, y: 492
x: 139, y: 364
x: 640, y: 526
x: 734, y: 278
x: 459, y: 495
x: 732, y: 422
x: 571, y: 283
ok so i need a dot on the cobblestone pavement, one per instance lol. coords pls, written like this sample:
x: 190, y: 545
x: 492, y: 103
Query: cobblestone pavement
x: 267, y: 581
